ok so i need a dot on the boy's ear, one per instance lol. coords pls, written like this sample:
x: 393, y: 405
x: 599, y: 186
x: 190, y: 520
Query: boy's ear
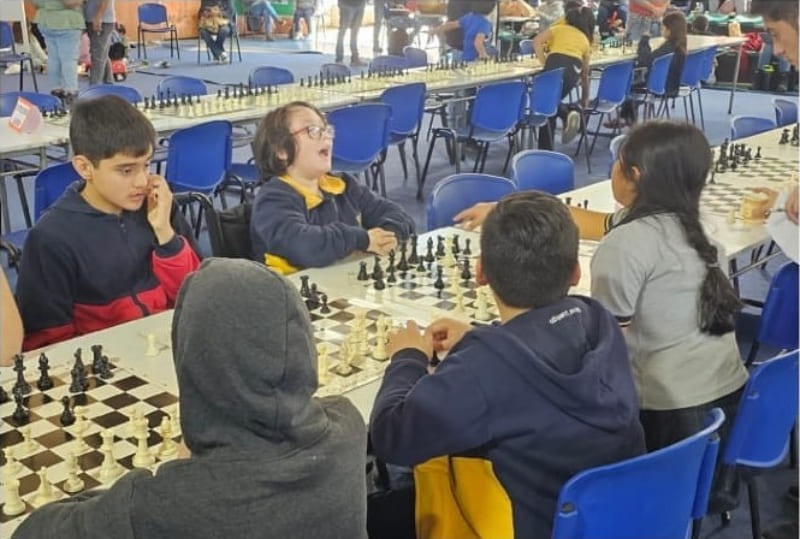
x: 83, y: 167
x: 480, y: 277
x: 575, y: 278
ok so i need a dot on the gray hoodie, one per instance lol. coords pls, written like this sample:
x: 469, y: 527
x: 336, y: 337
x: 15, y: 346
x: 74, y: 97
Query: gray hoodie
x: 268, y: 459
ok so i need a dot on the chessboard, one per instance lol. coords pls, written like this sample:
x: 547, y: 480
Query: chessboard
x: 722, y: 198
x: 772, y: 170
x: 51, y: 452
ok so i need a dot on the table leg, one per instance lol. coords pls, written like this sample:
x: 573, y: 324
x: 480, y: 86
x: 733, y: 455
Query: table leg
x: 735, y: 76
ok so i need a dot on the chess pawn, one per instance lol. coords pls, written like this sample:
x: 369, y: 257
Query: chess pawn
x: 168, y: 448
x: 379, y: 352
x: 152, y: 347
x: 73, y: 483
x: 12, y: 466
x: 12, y: 503
x: 174, y: 419
x: 459, y: 308
x: 482, y: 307
x: 27, y: 445
x: 45, y: 493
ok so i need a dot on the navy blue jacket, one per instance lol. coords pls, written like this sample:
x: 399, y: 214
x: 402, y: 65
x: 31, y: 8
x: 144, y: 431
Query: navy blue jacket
x: 542, y: 397
x: 292, y: 228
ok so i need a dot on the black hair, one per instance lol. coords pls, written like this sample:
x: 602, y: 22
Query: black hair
x: 529, y: 249
x: 676, y: 23
x: 103, y: 127
x: 572, y: 4
x: 673, y: 160
x: 274, y: 136
x: 700, y: 23
x: 776, y: 10
x: 581, y: 18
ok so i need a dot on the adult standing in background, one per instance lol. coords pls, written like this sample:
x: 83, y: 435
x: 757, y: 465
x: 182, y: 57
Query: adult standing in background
x: 61, y: 22
x: 351, y: 12
x: 644, y: 18
x: 100, y: 19
x: 379, y: 8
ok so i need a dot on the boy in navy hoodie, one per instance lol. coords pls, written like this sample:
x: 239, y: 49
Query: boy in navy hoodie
x: 514, y: 410
x: 112, y: 248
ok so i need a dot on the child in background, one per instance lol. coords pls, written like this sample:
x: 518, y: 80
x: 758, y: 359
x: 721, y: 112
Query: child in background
x: 476, y: 29
x: 303, y: 216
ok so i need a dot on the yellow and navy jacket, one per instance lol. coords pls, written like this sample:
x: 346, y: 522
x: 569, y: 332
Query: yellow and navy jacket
x: 507, y: 418
x: 293, y: 228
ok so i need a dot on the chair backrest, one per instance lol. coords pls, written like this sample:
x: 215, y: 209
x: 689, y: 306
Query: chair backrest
x: 615, y: 81
x: 526, y: 46
x: 745, y: 126
x: 386, y: 62
x: 127, y: 93
x: 415, y: 57
x: 50, y: 184
x: 408, y: 106
x: 654, y: 495
x: 759, y: 436
x: 779, y: 316
x: 545, y: 92
x: 460, y: 191
x: 707, y: 68
x: 334, y: 70
x: 543, y: 170
x: 152, y: 14
x: 657, y: 78
x: 613, y: 150
x: 44, y: 102
x: 362, y: 131
x: 497, y: 106
x: 692, y: 69
x: 270, y: 76
x: 199, y: 156
x: 178, y: 85
x: 7, y: 37
x: 785, y: 111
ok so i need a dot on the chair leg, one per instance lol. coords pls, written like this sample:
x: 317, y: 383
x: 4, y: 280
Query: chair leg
x: 421, y: 179
x: 33, y: 76
x: 585, y: 150
x: 23, y: 201
x: 700, y: 108
x: 483, y: 158
x: 238, y: 49
x: 686, y: 110
x: 793, y: 448
x: 382, y: 175
x: 138, y: 42
x: 696, y: 525
x: 511, y: 146
x: 751, y: 355
x: 401, y: 149
x: 597, y: 131
x: 755, y: 516
x: 415, y: 154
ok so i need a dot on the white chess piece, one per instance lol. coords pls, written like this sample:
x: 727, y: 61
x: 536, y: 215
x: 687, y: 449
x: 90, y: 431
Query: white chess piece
x: 459, y: 300
x: 152, y: 347
x: 12, y: 503
x: 12, y: 466
x: 142, y: 458
x: 73, y: 483
x: 109, y: 469
x: 322, y: 363
x: 45, y: 493
x: 731, y: 217
x: 27, y: 445
x: 168, y: 448
x: 482, y: 307
x: 174, y: 419
x: 379, y: 351
x: 343, y: 367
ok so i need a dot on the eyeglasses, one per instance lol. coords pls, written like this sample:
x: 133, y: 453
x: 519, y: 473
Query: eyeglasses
x: 315, y: 132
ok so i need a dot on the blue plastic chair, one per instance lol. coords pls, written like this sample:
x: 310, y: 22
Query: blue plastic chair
x: 178, y: 85
x: 461, y: 191
x: 270, y: 76
x: 543, y: 170
x: 155, y: 17
x: 746, y: 126
x: 613, y: 150
x: 779, y: 316
x: 759, y: 436
x: 526, y: 46
x: 334, y: 70
x: 44, y: 102
x: 9, y: 55
x: 656, y: 495
x: 415, y: 57
x: 362, y: 136
x: 493, y: 116
x: 387, y: 62
x: 785, y: 111
x: 657, y: 88
x: 612, y: 91
x: 407, y: 102
x: 128, y: 93
x: 544, y: 97
x: 690, y: 82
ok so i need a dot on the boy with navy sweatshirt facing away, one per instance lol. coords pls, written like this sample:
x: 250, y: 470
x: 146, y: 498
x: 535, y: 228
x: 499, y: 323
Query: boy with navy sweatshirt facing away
x: 514, y: 410
x: 112, y: 248
x: 303, y: 216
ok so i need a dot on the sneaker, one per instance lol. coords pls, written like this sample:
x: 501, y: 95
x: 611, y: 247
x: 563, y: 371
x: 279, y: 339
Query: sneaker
x: 571, y: 126
x: 223, y: 57
x: 12, y: 69
x: 355, y: 62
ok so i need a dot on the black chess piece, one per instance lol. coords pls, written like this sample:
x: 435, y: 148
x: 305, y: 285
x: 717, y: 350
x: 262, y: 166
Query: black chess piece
x: 20, y: 415
x: 758, y: 153
x: 45, y: 382
x: 402, y: 265
x: 413, y: 258
x: 21, y: 386
x: 391, y: 267
x: 76, y: 384
x: 304, y: 290
x: 421, y: 264
x: 456, y: 246
x: 439, y: 246
x: 567, y: 200
x: 376, y: 268
x: 324, y: 309
x: 67, y: 417
x: 362, y: 271
x: 105, y: 370
x: 429, y: 255
x: 379, y: 284
x: 97, y: 357
x: 313, y: 295
x: 391, y: 278
x: 466, y: 274
x: 467, y: 249
x: 3, y: 395
x: 784, y: 137
x: 439, y: 283
x: 795, y: 140
x: 78, y: 355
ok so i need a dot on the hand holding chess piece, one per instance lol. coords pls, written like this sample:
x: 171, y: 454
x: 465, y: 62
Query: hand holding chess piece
x: 444, y: 333
x: 409, y: 337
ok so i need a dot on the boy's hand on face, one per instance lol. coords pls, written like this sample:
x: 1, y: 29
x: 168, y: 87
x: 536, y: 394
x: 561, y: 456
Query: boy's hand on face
x: 159, y: 208
x: 444, y: 333
x: 409, y: 337
x: 381, y: 241
x: 475, y: 216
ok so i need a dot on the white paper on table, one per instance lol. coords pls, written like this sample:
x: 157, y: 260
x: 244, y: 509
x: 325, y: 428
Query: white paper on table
x: 783, y: 231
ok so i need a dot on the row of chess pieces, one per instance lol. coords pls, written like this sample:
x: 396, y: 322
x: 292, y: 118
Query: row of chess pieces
x: 732, y: 156
x: 794, y: 141
x: 355, y: 348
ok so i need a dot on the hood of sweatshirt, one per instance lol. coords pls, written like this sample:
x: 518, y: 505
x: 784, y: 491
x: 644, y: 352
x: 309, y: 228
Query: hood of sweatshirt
x: 572, y: 353
x: 245, y: 360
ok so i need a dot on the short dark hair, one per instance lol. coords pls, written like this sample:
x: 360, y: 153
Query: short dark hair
x: 103, y: 127
x: 700, y: 23
x: 274, y: 136
x: 581, y: 18
x: 673, y: 160
x: 776, y: 10
x: 529, y: 249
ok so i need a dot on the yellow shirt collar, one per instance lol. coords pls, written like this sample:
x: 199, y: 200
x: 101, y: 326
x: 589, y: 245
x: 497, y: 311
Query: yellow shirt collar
x: 328, y: 184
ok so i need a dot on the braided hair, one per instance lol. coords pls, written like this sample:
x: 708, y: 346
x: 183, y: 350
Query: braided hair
x: 673, y: 160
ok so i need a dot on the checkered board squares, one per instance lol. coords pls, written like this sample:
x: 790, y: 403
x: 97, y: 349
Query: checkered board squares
x: 108, y: 404
x: 766, y: 170
x: 721, y: 198
x: 333, y: 329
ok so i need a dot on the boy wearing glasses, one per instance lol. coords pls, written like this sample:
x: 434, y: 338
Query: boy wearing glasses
x: 304, y: 217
